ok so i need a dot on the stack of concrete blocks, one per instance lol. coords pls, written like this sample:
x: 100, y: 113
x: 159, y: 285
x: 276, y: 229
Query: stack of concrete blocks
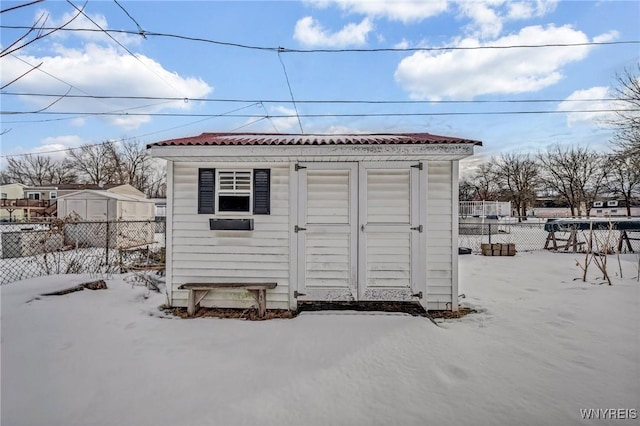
x: 498, y: 249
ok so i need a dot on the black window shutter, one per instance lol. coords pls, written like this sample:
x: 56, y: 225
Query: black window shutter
x: 206, y: 191
x: 261, y: 191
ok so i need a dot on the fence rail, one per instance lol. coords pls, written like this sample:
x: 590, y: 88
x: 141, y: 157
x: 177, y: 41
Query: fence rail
x: 46, y: 248
x: 531, y: 235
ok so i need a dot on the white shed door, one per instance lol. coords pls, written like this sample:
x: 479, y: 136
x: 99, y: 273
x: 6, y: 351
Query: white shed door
x: 389, y: 256
x: 359, y: 233
x: 97, y: 209
x: 327, y: 231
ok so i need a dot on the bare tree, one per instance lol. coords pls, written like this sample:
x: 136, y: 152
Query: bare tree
x: 518, y: 177
x: 157, y: 184
x: 132, y: 163
x: 627, y: 121
x: 485, y: 184
x: 94, y: 163
x: 576, y: 174
x: 466, y: 190
x: 38, y: 170
x: 624, y: 177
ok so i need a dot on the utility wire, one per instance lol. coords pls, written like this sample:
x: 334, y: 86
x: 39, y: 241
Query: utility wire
x: 267, y: 116
x: 295, y: 107
x: 135, y: 137
x: 319, y: 101
x: 20, y: 5
x: 344, y: 50
x: 123, y: 46
x: 140, y: 30
x: 333, y: 115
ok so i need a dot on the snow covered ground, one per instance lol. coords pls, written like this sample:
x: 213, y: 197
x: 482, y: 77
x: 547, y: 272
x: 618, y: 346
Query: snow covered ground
x: 541, y: 348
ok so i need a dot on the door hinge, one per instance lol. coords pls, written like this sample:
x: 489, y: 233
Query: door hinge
x: 417, y: 228
x: 298, y: 229
x: 417, y: 166
x: 296, y: 294
x: 418, y: 295
x: 298, y: 167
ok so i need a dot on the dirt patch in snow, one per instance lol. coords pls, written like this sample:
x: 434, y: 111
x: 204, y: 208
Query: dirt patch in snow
x: 247, y: 314
x: 251, y: 314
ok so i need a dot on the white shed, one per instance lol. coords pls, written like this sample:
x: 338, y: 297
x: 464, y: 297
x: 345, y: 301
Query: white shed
x: 350, y: 217
x: 96, y: 205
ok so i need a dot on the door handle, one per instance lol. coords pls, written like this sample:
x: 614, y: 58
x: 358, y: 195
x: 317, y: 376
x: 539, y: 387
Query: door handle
x: 362, y: 227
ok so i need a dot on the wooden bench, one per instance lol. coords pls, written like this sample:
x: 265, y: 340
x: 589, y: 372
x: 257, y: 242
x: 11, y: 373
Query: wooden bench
x: 198, y: 291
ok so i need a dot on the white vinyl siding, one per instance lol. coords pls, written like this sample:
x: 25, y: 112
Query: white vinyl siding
x: 203, y: 255
x: 439, y: 235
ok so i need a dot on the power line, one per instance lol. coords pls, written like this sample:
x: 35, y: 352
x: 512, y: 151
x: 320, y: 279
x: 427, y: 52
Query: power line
x: 332, y: 115
x: 295, y: 107
x: 123, y: 46
x: 138, y: 136
x: 268, y: 117
x: 343, y: 50
x: 318, y: 101
x: 20, y: 5
x: 140, y: 30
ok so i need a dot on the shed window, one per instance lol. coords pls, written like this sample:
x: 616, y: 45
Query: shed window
x: 53, y: 195
x: 234, y: 191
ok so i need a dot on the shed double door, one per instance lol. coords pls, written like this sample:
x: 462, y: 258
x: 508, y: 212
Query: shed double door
x: 359, y: 232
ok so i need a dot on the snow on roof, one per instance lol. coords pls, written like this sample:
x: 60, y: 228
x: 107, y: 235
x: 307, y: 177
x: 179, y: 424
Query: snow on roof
x: 314, y: 139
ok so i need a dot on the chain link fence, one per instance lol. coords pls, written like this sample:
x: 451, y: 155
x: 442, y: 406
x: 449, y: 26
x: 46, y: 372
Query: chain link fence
x: 531, y: 235
x: 68, y: 247
x: 35, y: 249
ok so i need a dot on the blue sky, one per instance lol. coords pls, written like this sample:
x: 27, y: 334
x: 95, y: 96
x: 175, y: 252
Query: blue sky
x: 175, y: 73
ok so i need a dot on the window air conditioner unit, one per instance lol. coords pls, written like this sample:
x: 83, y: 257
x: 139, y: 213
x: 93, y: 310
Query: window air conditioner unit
x: 613, y: 203
x: 598, y: 203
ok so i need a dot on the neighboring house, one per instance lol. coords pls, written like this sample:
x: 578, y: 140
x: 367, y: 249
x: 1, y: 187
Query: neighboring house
x: 9, y: 193
x: 357, y: 217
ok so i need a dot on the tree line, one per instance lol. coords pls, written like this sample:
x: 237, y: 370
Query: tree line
x: 124, y: 162
x: 575, y: 175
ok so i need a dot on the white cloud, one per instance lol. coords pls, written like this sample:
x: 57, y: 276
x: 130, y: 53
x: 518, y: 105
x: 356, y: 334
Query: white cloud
x: 465, y: 74
x: 530, y: 9
x: 488, y: 17
x: 485, y: 21
x: 82, y: 22
x: 394, y: 10
x: 580, y: 101
x: 310, y: 32
x: 102, y: 71
x: 55, y: 147
x: 284, y: 124
x: 607, y: 37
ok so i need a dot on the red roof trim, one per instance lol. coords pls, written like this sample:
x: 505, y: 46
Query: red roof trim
x: 221, y: 139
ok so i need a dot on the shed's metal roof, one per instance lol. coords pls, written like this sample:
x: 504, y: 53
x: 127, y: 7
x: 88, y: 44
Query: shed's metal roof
x: 212, y: 139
